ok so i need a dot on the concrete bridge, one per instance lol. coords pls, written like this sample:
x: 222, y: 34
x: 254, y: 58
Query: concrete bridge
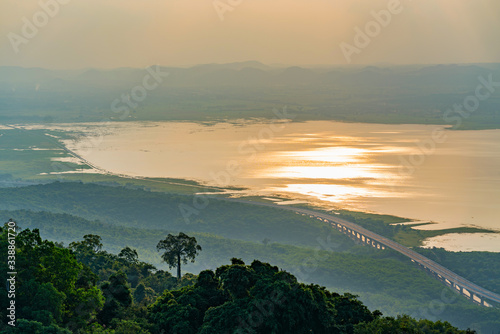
x: 461, y: 285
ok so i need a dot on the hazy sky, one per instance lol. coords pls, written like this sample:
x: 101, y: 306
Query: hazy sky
x: 138, y: 33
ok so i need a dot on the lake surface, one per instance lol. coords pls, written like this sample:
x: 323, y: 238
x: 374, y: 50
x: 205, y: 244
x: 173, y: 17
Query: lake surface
x: 422, y: 172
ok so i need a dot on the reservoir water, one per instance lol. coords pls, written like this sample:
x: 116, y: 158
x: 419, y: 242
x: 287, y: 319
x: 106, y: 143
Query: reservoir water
x: 421, y: 172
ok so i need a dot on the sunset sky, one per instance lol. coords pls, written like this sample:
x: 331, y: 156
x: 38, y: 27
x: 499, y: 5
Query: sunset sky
x: 138, y: 33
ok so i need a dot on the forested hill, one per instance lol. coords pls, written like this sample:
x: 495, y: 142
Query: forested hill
x: 387, y: 94
x: 307, y: 248
x: 145, y: 209
x: 83, y: 289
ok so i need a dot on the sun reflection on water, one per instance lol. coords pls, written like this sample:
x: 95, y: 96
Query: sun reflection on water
x: 345, y: 172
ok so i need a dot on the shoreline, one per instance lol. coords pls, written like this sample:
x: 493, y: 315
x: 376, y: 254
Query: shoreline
x: 410, y: 237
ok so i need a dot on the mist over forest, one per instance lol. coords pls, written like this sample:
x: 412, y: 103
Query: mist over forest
x: 380, y: 94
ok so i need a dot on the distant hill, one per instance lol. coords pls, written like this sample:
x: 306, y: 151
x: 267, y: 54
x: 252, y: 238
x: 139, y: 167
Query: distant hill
x: 375, y: 94
x: 214, y: 74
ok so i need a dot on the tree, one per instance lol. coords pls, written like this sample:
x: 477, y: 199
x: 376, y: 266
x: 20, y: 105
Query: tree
x: 143, y: 294
x: 178, y: 248
x: 118, y: 298
x: 129, y: 254
x: 91, y: 242
x: 52, y: 288
x: 27, y: 239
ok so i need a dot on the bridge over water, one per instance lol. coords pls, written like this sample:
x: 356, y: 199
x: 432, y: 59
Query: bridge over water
x: 465, y: 287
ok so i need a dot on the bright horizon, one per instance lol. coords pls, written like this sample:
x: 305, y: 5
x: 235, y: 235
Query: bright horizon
x: 130, y: 33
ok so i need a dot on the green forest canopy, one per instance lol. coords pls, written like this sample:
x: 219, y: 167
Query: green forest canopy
x: 83, y: 289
